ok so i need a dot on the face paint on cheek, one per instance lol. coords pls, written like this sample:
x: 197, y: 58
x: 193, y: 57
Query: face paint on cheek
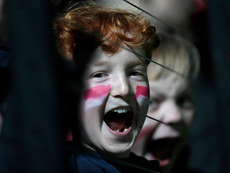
x: 145, y: 132
x: 142, y: 95
x: 95, y: 96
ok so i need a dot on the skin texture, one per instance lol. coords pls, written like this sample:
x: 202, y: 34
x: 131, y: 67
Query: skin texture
x: 112, y: 82
x: 171, y: 103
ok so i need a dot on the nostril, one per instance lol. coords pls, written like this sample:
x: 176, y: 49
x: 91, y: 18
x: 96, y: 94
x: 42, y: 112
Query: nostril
x: 180, y: 126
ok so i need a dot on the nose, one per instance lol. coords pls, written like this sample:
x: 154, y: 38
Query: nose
x: 172, y: 114
x: 120, y: 86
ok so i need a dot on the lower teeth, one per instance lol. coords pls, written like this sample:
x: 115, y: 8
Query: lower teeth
x: 122, y: 130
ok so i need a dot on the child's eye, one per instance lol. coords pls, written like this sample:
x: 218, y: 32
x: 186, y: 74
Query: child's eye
x: 137, y: 75
x: 99, y: 75
x: 154, y: 101
x: 185, y: 102
x: 153, y: 104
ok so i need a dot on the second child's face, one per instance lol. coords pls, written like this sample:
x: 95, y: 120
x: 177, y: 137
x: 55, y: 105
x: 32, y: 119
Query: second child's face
x: 171, y: 103
x: 116, y: 89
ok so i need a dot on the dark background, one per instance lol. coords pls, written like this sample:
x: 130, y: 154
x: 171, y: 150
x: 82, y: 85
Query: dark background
x: 210, y: 138
x: 32, y: 144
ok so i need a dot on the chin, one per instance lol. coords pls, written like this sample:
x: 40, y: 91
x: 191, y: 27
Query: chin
x: 118, y: 150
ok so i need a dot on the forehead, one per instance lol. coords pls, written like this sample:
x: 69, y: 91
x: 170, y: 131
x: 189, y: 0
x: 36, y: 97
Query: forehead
x: 170, y: 86
x: 99, y: 57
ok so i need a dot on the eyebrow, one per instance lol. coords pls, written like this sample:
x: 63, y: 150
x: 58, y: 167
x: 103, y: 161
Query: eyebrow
x: 157, y: 94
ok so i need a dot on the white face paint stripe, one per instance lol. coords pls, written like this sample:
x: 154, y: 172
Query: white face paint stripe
x: 95, y: 96
x: 91, y: 103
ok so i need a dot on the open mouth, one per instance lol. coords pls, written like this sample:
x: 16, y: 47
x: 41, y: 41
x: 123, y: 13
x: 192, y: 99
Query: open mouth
x: 163, y: 148
x: 119, y: 120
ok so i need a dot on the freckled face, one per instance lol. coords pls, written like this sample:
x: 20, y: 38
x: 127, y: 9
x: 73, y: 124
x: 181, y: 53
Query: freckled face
x: 170, y: 102
x: 116, y: 89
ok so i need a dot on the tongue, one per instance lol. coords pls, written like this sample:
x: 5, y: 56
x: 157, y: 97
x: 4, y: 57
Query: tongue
x: 117, y: 125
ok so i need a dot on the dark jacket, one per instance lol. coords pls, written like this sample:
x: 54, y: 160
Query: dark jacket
x: 86, y: 161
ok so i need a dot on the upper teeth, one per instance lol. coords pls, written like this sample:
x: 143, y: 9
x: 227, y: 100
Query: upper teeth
x: 120, y: 111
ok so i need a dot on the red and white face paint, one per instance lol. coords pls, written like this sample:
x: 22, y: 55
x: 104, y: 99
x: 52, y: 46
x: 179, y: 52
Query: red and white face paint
x: 95, y: 96
x: 142, y: 95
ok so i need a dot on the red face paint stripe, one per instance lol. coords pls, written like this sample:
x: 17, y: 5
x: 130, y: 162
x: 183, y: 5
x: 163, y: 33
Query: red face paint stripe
x: 145, y: 131
x: 96, y: 92
x: 141, y: 90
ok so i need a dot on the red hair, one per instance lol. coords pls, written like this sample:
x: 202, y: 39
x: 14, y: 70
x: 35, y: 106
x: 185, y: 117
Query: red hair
x: 113, y: 29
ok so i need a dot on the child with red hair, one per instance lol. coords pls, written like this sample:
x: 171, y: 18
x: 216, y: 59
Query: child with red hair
x: 113, y: 47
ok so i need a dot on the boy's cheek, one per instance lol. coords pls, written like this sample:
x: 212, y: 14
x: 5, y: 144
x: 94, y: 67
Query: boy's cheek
x: 142, y: 95
x: 95, y: 96
x: 145, y: 132
x: 96, y: 92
